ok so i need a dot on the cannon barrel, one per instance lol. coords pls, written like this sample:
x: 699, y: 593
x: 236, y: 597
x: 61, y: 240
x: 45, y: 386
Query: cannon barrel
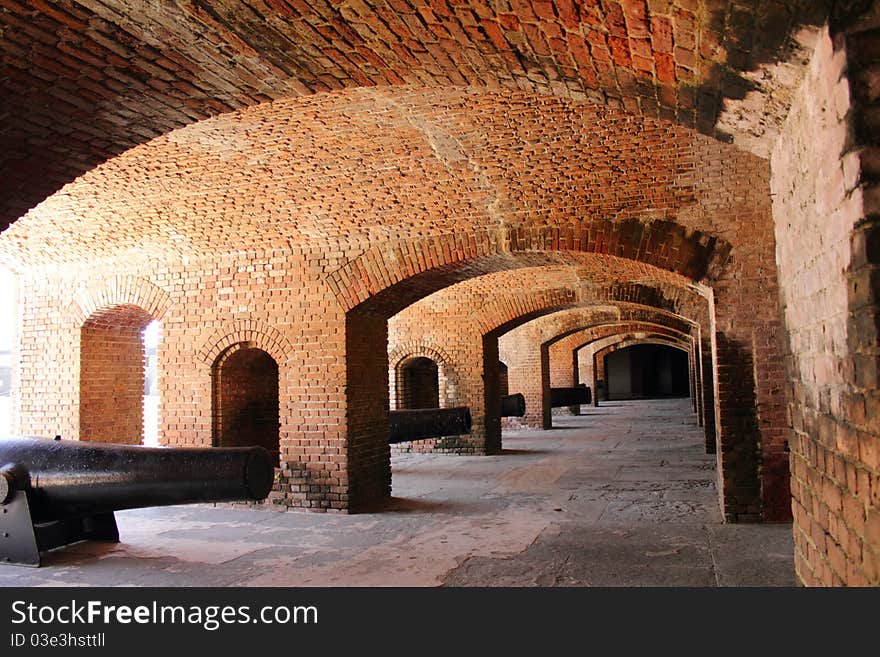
x: 574, y: 396
x: 56, y: 492
x: 418, y: 424
x: 69, y: 477
x: 513, y: 405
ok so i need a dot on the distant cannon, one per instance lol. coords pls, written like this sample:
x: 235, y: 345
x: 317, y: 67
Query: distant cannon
x: 418, y: 424
x: 513, y: 405
x: 58, y: 492
x: 574, y: 396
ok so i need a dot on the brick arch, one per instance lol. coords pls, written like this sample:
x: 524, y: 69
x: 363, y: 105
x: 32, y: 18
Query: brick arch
x: 610, y: 330
x: 614, y: 342
x: 701, y: 378
x: 556, y: 323
x: 245, y: 398
x: 629, y: 341
x: 507, y: 311
x: 92, y: 300
x: 388, y: 277
x: 565, y: 350
x: 409, y: 350
x: 250, y: 332
x: 578, y: 51
x: 451, y: 384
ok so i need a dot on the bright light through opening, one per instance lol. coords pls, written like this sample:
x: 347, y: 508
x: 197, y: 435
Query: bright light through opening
x: 151, y: 384
x: 7, y: 348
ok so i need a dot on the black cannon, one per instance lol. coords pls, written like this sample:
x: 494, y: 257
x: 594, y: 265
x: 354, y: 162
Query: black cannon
x: 58, y: 492
x: 575, y: 396
x: 513, y: 405
x: 418, y: 424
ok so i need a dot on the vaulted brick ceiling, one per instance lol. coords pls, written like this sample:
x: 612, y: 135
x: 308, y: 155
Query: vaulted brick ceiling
x: 323, y: 174
x: 84, y: 80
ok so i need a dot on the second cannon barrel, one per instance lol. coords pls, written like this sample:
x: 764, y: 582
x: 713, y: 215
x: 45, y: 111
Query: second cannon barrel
x: 418, y: 424
x: 573, y: 396
x: 513, y: 405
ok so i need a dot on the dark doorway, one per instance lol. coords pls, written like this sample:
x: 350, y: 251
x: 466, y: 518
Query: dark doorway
x: 246, y: 399
x: 418, y: 384
x: 646, y: 371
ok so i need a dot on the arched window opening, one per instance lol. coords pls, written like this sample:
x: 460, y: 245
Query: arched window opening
x: 113, y: 376
x: 245, y: 383
x: 502, y: 379
x: 418, y: 384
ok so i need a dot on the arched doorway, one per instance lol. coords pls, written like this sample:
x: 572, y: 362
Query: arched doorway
x: 418, y: 383
x: 245, y: 386
x: 113, y: 378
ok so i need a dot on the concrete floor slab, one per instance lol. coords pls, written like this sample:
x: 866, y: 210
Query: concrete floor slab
x: 622, y: 495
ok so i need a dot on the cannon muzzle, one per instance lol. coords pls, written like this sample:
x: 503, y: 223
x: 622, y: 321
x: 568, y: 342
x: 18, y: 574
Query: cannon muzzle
x: 422, y: 423
x: 54, y: 492
x: 513, y: 405
x: 574, y: 396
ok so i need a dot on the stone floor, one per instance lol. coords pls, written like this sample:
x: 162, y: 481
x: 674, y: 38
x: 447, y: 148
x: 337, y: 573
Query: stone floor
x: 620, y: 496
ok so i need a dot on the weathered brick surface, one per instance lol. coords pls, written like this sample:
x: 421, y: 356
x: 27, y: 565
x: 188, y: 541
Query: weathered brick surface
x: 84, y: 80
x: 824, y: 185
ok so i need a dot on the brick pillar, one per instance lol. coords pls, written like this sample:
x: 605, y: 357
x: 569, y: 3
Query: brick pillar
x: 562, y: 371
x: 491, y: 396
x: 586, y: 371
x: 546, y: 410
x: 525, y: 375
x: 750, y: 411
x: 367, y: 404
x: 599, y: 374
x: 707, y: 389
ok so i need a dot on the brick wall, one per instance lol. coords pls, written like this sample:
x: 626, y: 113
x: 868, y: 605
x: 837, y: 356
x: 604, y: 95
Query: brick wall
x: 824, y: 206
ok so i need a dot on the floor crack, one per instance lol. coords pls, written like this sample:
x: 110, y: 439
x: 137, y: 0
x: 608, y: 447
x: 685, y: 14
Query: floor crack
x: 712, y: 556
